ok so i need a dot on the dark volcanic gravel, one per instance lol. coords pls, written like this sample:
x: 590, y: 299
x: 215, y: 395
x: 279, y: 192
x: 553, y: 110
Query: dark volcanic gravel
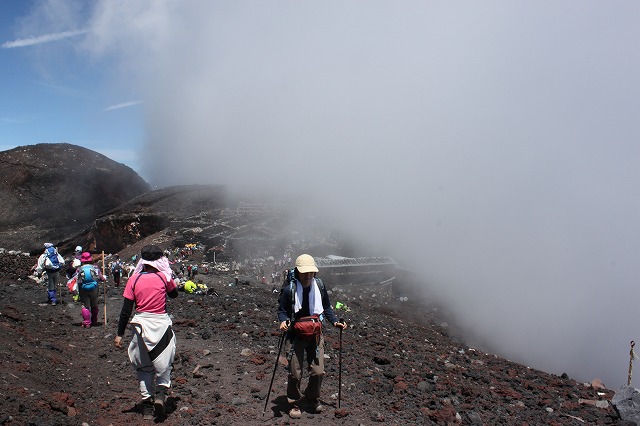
x: 396, y: 368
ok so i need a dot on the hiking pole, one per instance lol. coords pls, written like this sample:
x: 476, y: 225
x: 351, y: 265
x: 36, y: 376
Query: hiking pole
x: 340, y: 365
x: 631, y: 356
x: 275, y: 367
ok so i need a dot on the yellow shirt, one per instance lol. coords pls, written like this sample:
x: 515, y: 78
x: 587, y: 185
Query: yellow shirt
x: 190, y: 286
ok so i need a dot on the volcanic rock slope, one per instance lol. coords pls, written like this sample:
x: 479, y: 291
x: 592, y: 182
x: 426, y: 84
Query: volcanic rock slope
x: 50, y: 192
x: 396, y: 362
x: 191, y: 213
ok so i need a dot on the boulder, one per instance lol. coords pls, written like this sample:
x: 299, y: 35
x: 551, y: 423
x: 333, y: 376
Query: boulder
x: 626, y: 401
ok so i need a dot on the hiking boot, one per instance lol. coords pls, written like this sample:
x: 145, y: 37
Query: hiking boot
x: 295, y: 412
x: 316, y: 406
x: 147, y: 409
x: 161, y: 397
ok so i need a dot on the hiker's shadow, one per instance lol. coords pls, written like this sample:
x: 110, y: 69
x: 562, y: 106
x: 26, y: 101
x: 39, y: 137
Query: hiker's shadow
x: 135, y: 409
x: 280, y: 407
x: 170, y: 406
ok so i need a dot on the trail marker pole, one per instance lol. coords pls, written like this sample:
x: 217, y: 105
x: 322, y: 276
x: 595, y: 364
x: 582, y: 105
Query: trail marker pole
x: 275, y: 367
x: 631, y: 356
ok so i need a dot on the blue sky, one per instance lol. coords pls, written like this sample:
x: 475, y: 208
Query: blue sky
x: 492, y: 146
x: 54, y: 91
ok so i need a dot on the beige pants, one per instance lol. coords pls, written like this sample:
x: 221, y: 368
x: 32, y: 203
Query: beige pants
x: 315, y: 366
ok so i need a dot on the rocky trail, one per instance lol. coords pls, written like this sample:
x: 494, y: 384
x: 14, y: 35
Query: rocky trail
x: 400, y: 365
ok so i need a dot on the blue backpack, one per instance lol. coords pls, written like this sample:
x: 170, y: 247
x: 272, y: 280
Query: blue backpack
x: 85, y: 277
x: 52, y: 257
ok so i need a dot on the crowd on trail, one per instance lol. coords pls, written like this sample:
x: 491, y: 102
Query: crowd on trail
x: 152, y: 278
x: 82, y: 280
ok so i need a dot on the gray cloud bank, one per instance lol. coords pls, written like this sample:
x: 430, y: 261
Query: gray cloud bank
x: 492, y: 146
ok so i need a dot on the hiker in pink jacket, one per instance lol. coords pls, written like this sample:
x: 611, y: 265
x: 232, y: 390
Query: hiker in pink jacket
x: 88, y: 278
x: 153, y: 343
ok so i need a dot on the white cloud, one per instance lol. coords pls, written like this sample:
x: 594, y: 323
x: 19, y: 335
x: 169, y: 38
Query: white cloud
x: 123, y: 105
x: 45, y: 38
x: 65, y: 90
x: 12, y: 120
x: 492, y: 146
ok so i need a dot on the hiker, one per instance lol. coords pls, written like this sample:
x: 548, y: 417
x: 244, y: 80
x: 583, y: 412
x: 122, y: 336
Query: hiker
x: 302, y: 304
x: 116, y: 271
x: 129, y: 270
x: 153, y: 343
x: 72, y: 274
x: 71, y: 269
x: 50, y: 262
x: 77, y: 253
x: 190, y: 287
x: 194, y: 272
x: 201, y: 288
x: 88, y: 277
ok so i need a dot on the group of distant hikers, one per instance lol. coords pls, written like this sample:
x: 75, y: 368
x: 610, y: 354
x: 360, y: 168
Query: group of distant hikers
x: 83, y: 274
x: 303, y: 305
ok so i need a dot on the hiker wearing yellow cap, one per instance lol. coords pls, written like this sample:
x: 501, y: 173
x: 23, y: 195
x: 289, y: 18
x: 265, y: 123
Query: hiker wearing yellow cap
x: 303, y: 304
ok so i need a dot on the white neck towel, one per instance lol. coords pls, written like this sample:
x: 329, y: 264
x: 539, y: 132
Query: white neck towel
x: 161, y: 265
x: 315, y: 298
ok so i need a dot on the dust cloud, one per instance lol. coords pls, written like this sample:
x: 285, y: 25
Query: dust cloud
x: 491, y: 147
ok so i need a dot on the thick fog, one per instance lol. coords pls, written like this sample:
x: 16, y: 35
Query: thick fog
x: 490, y: 146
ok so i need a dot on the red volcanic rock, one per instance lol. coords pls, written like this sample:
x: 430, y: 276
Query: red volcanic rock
x: 397, y: 372
x: 257, y: 359
x: 341, y: 413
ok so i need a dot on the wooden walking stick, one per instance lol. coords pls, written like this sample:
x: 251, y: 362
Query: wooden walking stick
x: 105, y: 293
x: 631, y: 356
